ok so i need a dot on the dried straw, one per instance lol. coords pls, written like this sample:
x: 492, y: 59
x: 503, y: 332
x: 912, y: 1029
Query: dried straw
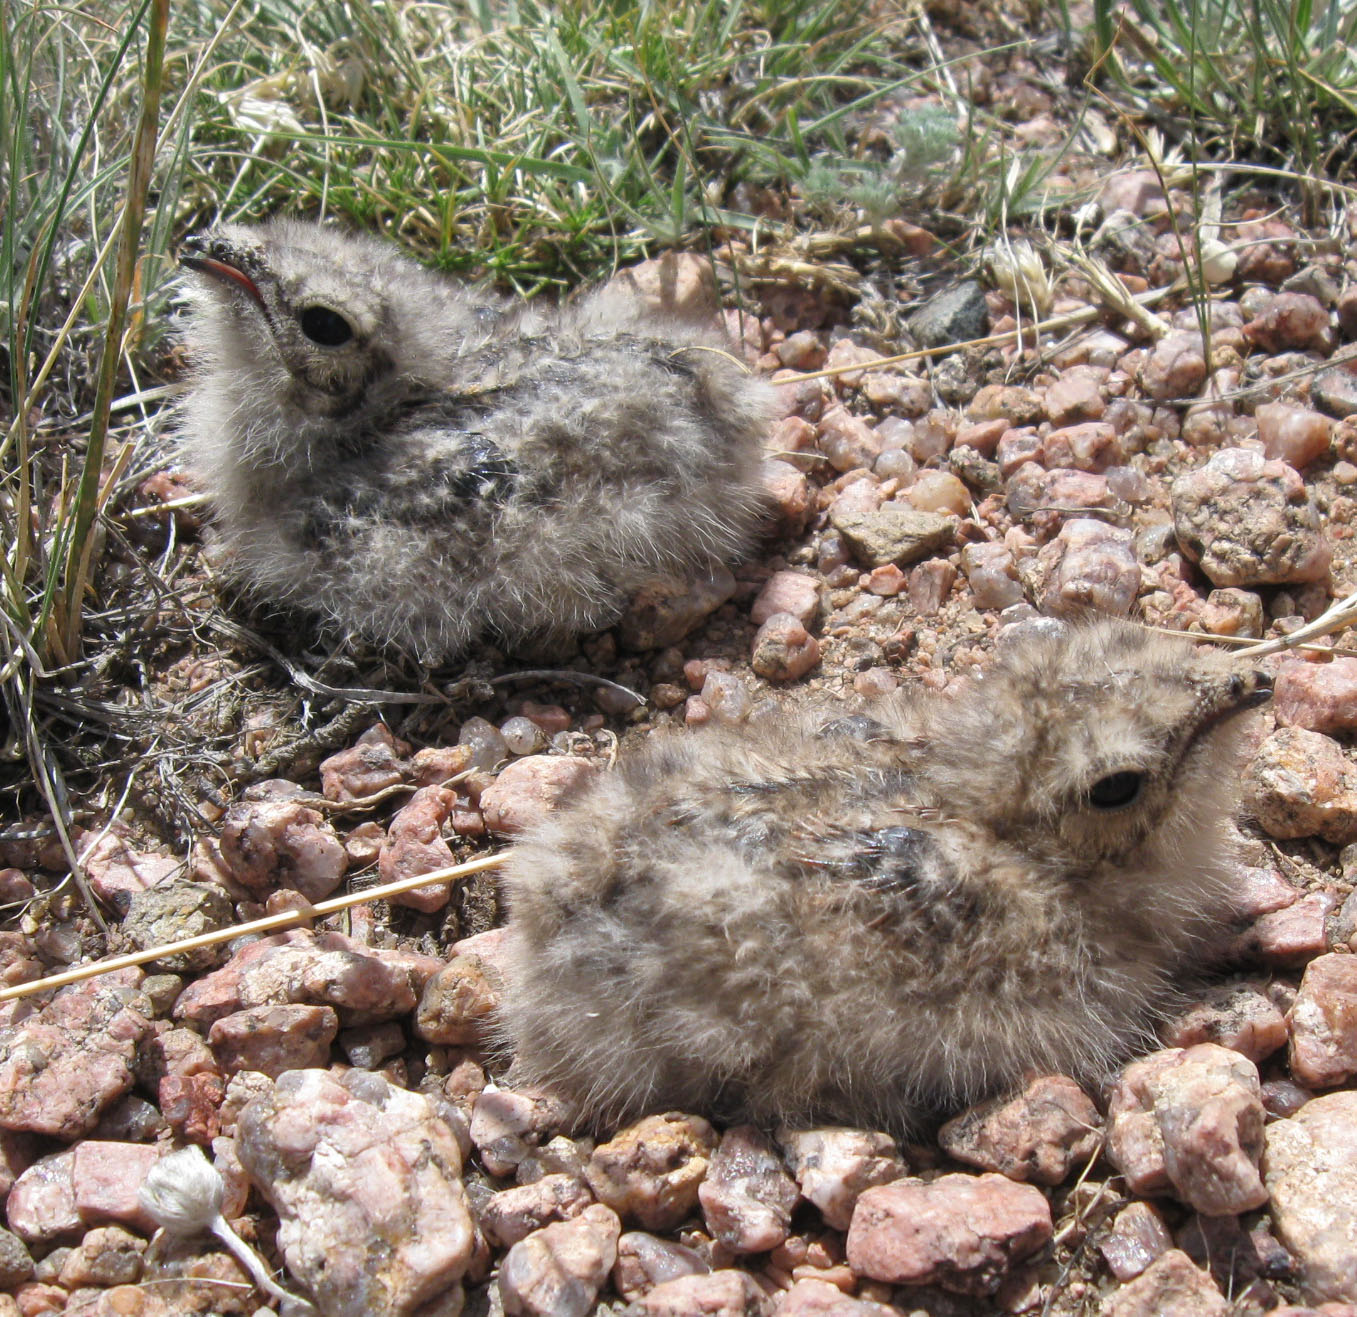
x: 269, y: 924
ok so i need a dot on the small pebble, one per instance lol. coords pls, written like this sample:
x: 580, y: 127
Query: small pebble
x: 962, y: 1232
x: 522, y: 736
x: 1301, y: 784
x: 1190, y: 1122
x: 938, y: 491
x: 1311, y: 1169
x: 1324, y: 1023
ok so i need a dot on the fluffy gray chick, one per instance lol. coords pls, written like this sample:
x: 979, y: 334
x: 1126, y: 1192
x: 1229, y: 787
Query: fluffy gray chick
x: 416, y: 463
x: 868, y: 918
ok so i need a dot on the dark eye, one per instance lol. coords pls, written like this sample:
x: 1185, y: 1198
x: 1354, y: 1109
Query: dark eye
x: 323, y: 326
x: 1116, y: 790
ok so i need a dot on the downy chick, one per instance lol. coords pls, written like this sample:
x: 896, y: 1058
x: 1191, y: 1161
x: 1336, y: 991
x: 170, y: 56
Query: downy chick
x: 869, y: 918
x: 416, y: 463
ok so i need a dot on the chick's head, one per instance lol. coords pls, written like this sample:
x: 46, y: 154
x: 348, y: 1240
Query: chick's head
x: 1114, y: 739
x: 327, y: 317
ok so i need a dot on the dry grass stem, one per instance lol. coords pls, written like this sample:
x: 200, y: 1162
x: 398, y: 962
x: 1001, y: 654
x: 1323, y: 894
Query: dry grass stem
x: 285, y: 919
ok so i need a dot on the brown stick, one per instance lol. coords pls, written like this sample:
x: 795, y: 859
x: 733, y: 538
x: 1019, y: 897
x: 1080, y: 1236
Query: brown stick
x: 269, y: 924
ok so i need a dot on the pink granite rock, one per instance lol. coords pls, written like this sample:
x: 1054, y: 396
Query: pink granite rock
x: 1292, y: 936
x: 847, y: 440
x: 1324, y: 1022
x: 725, y: 1293
x: 513, y: 1214
x: 1015, y: 449
x: 886, y: 581
x: 938, y: 491
x: 557, y: 1271
x: 791, y: 496
x: 1189, y: 1121
x: 1233, y: 612
x: 747, y: 1197
x: 992, y: 575
x: 1259, y: 892
x: 94, y: 1183
x: 414, y: 845
x: 787, y: 592
x: 858, y: 494
x: 963, y: 1232
x: 983, y: 436
x: 1136, y: 1237
x: 366, y: 1180
x: 271, y: 1039
x: 818, y: 1298
x: 801, y: 351
x: 1310, y: 1166
x: 650, y: 1171
x: 1008, y: 402
x: 1089, y: 565
x: 116, y: 870
x: 190, y: 1104
x: 1301, y: 784
x: 929, y: 584
x: 373, y: 763
x: 528, y: 789
x: 1076, y: 396
x: 1249, y: 521
x: 1175, y: 368
x: 1043, y: 1134
x: 676, y: 283
x: 1321, y: 697
x: 17, y: 1153
x: 783, y: 649
x: 1171, y: 1286
x: 1291, y: 322
x: 1032, y: 491
x: 62, y: 1067
x: 644, y: 1261
x: 833, y: 1166
x: 1291, y: 434
x: 1091, y: 446
x: 320, y: 969
x: 844, y: 352
x: 726, y: 697
x: 107, y: 1256
x: 268, y: 844
x: 1235, y: 1015
x: 1139, y: 191
x: 170, y: 1050
x: 507, y: 1124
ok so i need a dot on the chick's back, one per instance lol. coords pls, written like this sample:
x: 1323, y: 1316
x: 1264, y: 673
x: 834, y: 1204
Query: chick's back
x: 868, y: 917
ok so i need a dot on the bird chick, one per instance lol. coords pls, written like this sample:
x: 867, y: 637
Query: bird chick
x: 871, y: 918
x: 415, y: 462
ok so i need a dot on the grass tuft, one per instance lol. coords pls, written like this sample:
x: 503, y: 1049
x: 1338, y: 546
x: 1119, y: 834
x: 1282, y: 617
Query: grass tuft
x: 1270, y: 77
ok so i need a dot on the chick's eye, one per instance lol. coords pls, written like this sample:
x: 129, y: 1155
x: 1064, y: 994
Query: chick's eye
x: 1116, y: 790
x: 323, y: 326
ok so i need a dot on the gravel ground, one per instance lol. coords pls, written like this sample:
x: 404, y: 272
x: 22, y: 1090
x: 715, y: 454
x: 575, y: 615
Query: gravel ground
x: 1124, y: 466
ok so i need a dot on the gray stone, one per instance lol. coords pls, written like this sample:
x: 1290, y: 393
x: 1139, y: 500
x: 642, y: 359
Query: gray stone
x: 955, y: 315
x: 894, y: 533
x: 172, y: 911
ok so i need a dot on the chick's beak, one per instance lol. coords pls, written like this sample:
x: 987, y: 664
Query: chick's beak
x: 1251, y: 688
x: 217, y: 259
